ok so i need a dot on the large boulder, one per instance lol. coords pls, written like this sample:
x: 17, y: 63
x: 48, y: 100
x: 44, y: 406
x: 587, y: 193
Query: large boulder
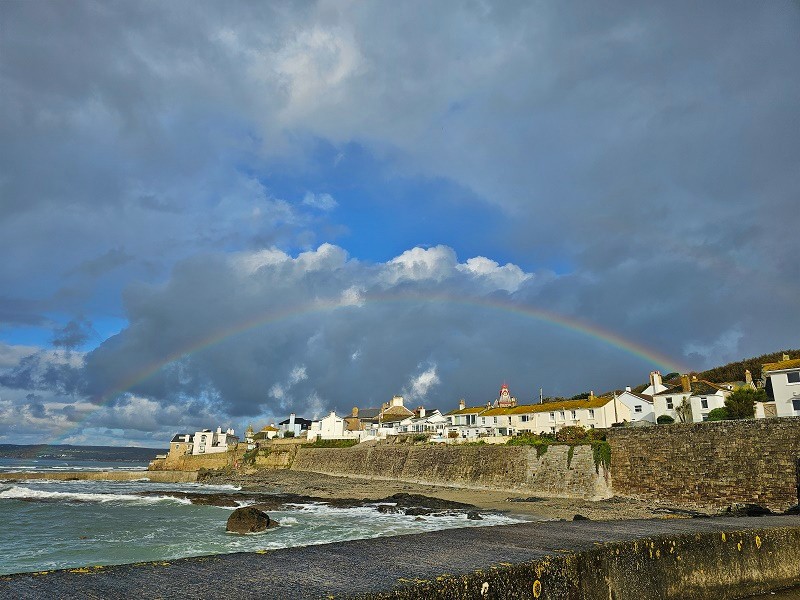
x: 248, y: 520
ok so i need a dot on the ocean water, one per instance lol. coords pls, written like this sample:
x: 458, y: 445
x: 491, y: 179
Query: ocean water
x: 51, y: 524
x: 38, y: 465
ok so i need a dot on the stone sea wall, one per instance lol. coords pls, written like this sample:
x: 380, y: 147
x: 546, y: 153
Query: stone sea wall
x: 710, y: 465
x: 558, y: 472
x: 156, y: 476
x: 195, y: 462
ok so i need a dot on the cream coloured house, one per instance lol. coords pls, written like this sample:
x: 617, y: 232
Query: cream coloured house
x: 782, y: 383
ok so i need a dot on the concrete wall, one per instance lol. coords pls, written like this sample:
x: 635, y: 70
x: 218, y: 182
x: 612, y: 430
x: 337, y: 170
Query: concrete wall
x: 157, y: 476
x: 512, y: 468
x: 709, y: 465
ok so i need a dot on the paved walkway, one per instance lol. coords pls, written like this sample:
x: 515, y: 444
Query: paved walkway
x: 358, y: 568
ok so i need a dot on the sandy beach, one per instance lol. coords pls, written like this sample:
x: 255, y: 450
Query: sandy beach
x: 327, y: 486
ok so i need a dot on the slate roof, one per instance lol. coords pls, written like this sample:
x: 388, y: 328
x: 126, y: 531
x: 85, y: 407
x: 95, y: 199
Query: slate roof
x: 792, y: 363
x: 671, y: 391
x: 698, y: 387
x: 179, y: 437
x: 297, y: 421
x: 368, y: 413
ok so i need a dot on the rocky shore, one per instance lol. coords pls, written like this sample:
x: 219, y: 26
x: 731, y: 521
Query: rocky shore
x: 300, y: 487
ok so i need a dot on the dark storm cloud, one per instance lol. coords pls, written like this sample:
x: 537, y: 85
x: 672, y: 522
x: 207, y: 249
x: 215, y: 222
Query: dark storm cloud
x: 322, y: 331
x: 75, y: 333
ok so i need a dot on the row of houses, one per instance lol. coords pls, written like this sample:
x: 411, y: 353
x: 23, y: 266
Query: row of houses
x: 684, y: 399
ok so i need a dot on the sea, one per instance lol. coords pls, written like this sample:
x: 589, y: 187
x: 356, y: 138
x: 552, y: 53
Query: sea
x: 53, y: 524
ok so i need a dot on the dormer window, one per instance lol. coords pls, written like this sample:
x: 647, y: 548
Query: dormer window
x: 793, y: 377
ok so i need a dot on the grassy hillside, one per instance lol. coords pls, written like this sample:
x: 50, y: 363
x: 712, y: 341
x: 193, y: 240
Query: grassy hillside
x: 735, y: 371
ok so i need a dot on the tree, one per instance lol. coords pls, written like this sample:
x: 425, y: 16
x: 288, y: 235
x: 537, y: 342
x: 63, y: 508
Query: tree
x: 741, y: 404
x: 718, y: 414
x: 684, y: 411
x: 665, y: 420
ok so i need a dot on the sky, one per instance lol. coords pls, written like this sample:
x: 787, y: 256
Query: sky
x: 215, y: 214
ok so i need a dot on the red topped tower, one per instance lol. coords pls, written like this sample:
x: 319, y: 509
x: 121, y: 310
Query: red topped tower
x: 506, y: 400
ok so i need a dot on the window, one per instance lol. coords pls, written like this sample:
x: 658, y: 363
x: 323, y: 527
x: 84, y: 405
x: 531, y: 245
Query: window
x: 796, y: 404
x: 591, y: 426
x: 669, y: 402
x: 704, y: 402
x: 705, y: 417
x: 574, y: 415
x: 563, y: 415
x: 591, y: 415
x: 637, y: 408
x: 793, y: 377
x: 495, y: 420
x: 552, y: 416
x: 526, y: 418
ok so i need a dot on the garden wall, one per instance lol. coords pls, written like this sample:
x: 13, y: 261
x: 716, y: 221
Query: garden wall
x: 709, y: 465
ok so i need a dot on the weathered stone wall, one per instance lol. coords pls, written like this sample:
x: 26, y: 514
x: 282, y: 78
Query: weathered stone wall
x: 278, y: 456
x: 513, y: 468
x: 195, y: 462
x: 709, y: 465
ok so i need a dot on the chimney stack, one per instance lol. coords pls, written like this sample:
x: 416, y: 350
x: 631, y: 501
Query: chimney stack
x: 685, y: 383
x: 421, y: 411
x: 748, y: 378
x: 785, y: 357
x: 461, y: 404
x: 627, y: 388
x: 655, y: 380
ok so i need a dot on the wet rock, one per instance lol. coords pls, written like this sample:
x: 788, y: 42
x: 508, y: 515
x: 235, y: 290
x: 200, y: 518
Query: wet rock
x: 580, y: 517
x: 418, y: 510
x: 528, y: 499
x: 388, y: 509
x: 474, y: 515
x: 403, y: 499
x: 747, y: 510
x: 794, y: 510
x: 247, y: 520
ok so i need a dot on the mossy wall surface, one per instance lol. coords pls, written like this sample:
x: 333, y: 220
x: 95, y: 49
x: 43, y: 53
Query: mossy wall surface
x: 513, y: 468
x: 718, y: 565
x: 709, y: 465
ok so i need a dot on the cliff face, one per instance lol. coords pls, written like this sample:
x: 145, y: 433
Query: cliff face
x: 512, y: 468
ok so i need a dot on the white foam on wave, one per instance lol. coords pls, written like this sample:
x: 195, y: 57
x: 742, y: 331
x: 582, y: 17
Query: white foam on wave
x: 24, y: 493
x: 210, y: 486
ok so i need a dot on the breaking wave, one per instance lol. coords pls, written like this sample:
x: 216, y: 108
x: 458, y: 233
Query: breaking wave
x: 23, y: 493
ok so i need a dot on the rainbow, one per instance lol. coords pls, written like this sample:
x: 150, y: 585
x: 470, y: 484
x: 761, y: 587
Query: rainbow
x: 573, y: 324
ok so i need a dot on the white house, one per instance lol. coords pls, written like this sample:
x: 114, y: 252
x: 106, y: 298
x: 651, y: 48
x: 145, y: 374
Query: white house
x: 639, y: 406
x: 782, y: 383
x: 702, y: 396
x: 209, y: 442
x: 331, y: 427
x: 424, y: 421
